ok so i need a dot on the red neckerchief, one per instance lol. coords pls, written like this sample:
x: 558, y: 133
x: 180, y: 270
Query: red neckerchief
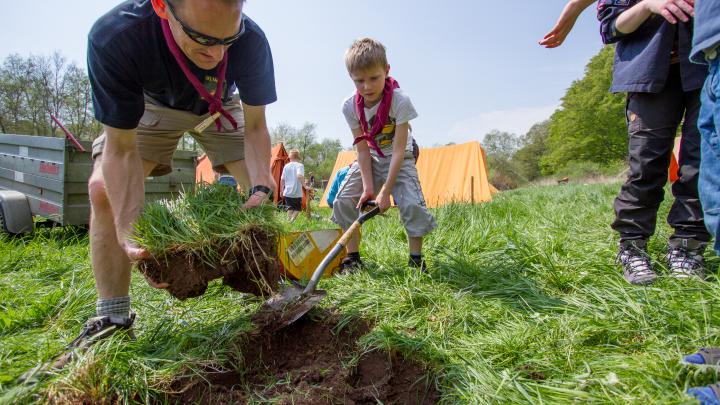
x: 381, y: 116
x: 214, y: 100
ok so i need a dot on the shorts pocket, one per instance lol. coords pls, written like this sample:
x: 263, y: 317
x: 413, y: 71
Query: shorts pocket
x: 150, y: 119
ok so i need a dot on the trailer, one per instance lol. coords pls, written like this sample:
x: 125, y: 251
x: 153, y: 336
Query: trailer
x: 46, y: 177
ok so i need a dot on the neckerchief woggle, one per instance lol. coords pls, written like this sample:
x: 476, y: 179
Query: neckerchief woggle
x: 381, y: 116
x: 214, y: 100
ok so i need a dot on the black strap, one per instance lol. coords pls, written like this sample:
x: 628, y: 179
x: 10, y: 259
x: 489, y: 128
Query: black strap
x: 260, y: 188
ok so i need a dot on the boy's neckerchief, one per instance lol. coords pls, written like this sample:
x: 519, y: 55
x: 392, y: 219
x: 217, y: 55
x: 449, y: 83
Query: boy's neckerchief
x: 214, y: 100
x: 381, y: 116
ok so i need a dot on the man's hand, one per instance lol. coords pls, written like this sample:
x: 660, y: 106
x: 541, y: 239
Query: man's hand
x: 565, y: 23
x: 383, y: 200
x: 136, y: 253
x: 256, y: 199
x: 672, y: 10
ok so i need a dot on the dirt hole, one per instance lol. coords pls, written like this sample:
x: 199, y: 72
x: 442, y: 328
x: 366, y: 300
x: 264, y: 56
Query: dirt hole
x: 310, y: 362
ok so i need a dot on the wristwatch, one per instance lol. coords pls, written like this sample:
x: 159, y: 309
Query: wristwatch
x: 260, y: 188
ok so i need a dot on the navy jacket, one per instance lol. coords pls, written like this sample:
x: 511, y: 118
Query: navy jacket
x: 642, y: 58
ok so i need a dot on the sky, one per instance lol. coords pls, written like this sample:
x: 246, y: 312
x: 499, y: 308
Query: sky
x: 469, y: 66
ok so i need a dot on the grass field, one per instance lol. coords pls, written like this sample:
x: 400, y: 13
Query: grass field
x: 523, y: 304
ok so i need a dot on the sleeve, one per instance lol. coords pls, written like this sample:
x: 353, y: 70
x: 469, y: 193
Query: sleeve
x: 301, y: 170
x: 283, y: 176
x: 255, y: 75
x: 117, y: 93
x: 350, y: 114
x: 608, y: 12
x: 404, y: 109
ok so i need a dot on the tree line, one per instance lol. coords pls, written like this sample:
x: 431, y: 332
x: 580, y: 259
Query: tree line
x: 33, y: 88
x: 586, y: 133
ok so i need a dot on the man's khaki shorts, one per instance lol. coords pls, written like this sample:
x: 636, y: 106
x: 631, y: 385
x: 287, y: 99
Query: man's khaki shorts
x: 161, y: 128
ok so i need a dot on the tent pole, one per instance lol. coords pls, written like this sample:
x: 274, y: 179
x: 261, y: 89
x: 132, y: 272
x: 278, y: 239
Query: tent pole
x: 472, y: 190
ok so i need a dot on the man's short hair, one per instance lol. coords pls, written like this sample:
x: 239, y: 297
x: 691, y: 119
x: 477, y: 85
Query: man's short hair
x: 294, y: 154
x: 365, y: 53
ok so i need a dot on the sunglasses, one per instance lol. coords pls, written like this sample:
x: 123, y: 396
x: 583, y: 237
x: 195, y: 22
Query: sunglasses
x: 202, y: 39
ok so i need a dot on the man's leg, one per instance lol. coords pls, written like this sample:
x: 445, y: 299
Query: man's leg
x: 111, y: 266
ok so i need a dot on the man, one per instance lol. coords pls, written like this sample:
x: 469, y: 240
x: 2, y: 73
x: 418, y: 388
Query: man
x: 157, y: 69
x: 292, y: 183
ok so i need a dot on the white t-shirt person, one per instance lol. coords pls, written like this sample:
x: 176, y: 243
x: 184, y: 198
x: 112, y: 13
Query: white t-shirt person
x: 290, y: 176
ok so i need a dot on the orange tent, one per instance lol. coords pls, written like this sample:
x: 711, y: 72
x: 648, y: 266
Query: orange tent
x: 204, y: 172
x: 278, y: 160
x: 455, y: 173
x: 674, y: 159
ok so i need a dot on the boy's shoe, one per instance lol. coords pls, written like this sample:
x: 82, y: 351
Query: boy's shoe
x: 707, y: 395
x: 95, y: 328
x: 706, y: 357
x: 635, y: 262
x: 350, y: 265
x: 418, y: 264
x: 685, y: 259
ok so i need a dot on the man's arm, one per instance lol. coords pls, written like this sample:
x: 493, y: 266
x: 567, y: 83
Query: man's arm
x: 396, y: 161
x: 122, y: 170
x: 257, y: 152
x: 565, y: 23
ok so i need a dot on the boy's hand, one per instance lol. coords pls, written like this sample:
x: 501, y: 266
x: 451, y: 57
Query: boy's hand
x: 383, y: 200
x: 367, y: 195
x: 672, y: 10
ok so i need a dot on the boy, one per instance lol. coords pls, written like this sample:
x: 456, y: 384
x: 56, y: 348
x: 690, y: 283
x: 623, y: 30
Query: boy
x: 706, y: 50
x: 651, y: 64
x: 378, y: 115
x: 292, y: 182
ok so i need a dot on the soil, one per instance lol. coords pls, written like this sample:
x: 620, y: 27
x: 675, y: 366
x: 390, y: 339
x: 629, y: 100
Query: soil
x: 250, y: 267
x: 309, y: 362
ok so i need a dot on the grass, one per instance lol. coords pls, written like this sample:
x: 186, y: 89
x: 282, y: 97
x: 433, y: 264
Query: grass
x: 522, y: 304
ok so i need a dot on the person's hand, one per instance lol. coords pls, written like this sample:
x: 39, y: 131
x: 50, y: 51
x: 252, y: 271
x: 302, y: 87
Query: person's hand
x: 563, y: 26
x: 367, y: 195
x: 672, y: 10
x: 136, y: 253
x: 256, y: 199
x: 383, y: 200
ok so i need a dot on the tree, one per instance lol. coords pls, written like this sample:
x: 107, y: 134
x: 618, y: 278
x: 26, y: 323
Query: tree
x: 590, y: 124
x: 318, y: 157
x: 533, y: 147
x: 499, y: 148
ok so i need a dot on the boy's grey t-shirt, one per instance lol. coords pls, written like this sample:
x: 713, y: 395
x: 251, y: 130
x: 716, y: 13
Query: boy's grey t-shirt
x: 401, y: 111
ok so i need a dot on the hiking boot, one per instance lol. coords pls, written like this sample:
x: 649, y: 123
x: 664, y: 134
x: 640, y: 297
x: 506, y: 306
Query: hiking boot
x: 418, y: 263
x: 350, y: 265
x: 685, y: 258
x: 635, y: 262
x: 707, y: 395
x: 95, y: 328
x: 706, y: 357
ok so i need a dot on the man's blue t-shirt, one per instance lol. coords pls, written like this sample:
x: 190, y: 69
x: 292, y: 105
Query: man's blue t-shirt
x: 128, y: 59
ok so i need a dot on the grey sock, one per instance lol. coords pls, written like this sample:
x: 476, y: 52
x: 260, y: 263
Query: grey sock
x: 114, y: 307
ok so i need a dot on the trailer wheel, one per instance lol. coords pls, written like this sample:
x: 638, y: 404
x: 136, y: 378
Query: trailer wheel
x: 3, y: 228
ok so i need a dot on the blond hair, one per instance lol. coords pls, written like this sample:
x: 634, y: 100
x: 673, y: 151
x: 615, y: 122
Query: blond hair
x: 294, y: 154
x: 365, y: 53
